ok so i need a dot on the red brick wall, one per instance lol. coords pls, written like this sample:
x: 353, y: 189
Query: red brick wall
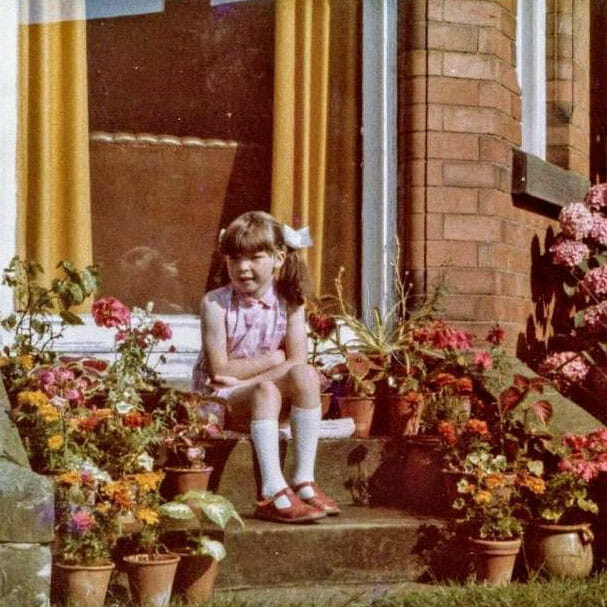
x: 459, y: 120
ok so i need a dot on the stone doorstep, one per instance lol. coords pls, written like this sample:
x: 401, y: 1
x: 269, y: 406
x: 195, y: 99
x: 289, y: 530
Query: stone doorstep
x: 25, y: 573
x: 365, y: 545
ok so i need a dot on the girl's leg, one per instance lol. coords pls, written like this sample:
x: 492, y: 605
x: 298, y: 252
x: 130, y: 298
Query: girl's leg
x: 301, y: 386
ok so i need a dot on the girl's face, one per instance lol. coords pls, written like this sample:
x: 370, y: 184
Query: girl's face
x: 252, y: 273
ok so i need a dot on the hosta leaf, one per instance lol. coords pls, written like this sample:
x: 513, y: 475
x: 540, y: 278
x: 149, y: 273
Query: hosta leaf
x: 543, y: 410
x: 219, y: 510
x: 176, y: 510
x: 212, y: 548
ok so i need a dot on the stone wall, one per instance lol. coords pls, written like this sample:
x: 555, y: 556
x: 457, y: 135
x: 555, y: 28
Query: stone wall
x: 460, y: 112
x: 26, y: 522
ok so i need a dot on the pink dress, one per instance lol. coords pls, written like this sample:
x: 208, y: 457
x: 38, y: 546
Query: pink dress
x: 253, y: 327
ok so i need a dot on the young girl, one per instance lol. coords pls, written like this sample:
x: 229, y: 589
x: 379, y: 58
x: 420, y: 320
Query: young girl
x: 254, y: 352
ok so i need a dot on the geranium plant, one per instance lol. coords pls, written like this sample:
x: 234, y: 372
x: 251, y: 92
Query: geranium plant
x: 41, y: 314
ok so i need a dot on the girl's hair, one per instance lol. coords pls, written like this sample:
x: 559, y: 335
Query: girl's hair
x: 256, y: 231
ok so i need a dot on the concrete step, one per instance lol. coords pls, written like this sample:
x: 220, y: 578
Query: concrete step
x: 341, y: 464
x: 363, y: 545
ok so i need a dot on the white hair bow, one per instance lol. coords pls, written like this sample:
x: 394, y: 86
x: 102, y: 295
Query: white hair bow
x: 296, y: 239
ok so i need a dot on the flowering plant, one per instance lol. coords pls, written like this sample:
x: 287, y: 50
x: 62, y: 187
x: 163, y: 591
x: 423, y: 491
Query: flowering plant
x: 204, y: 506
x: 85, y: 518
x: 31, y: 323
x: 358, y: 375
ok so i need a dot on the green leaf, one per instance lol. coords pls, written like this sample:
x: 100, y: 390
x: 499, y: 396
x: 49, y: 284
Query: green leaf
x: 570, y: 290
x: 587, y: 505
x: 177, y: 511
x: 70, y: 318
x: 601, y: 259
x: 211, y: 548
x: 583, y: 266
x: 578, y: 319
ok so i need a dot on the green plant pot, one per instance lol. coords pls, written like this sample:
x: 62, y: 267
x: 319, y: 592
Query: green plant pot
x: 560, y: 550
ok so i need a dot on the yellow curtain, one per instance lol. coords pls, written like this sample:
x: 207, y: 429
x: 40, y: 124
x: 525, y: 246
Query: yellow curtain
x: 54, y: 215
x: 301, y: 78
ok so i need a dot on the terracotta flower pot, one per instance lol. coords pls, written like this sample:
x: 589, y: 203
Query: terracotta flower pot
x: 422, y: 486
x: 360, y: 409
x: 560, y: 550
x: 151, y: 578
x: 400, y: 415
x: 85, y: 585
x: 494, y: 559
x: 325, y: 403
x: 180, y: 480
x: 195, y: 577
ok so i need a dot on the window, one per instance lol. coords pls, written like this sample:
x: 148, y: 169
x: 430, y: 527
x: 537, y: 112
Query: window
x: 531, y: 72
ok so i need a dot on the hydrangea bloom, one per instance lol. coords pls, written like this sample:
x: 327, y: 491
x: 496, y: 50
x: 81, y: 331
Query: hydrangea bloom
x: 595, y: 282
x: 576, y: 220
x: 596, y: 197
x: 595, y: 317
x: 567, y: 252
x: 598, y: 232
x: 570, y: 365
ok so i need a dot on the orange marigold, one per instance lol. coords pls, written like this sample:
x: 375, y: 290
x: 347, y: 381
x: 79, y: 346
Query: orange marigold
x: 477, y: 426
x: 483, y: 497
x: 446, y: 431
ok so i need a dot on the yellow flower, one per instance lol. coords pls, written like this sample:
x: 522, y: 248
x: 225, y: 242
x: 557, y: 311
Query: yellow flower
x: 69, y: 478
x: 49, y: 413
x: 535, y: 485
x: 4, y: 362
x: 493, y: 481
x: 103, y: 507
x: 148, y: 516
x: 148, y: 481
x: 26, y: 361
x: 73, y: 423
x: 482, y: 497
x: 35, y: 399
x: 55, y: 442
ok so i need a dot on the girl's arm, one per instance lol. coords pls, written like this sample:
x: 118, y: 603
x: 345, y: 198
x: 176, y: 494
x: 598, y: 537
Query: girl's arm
x: 296, y: 346
x: 214, y: 341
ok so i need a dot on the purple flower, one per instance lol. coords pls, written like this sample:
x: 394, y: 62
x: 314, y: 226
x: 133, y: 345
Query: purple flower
x: 567, y: 252
x: 576, y: 220
x: 596, y: 197
x: 81, y: 521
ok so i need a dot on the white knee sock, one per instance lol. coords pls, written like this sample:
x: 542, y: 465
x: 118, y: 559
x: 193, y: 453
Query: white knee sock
x: 305, y: 425
x: 264, y: 435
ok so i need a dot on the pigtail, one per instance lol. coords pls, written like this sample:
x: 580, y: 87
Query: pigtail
x: 293, y: 281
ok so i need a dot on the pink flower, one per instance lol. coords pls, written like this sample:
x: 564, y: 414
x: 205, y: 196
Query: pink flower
x: 81, y: 521
x: 483, y: 360
x: 575, y: 441
x: 160, y: 330
x: 172, y: 349
x: 576, y: 220
x: 569, y: 365
x: 110, y: 312
x: 595, y: 281
x: 567, y: 252
x: 598, y: 232
x: 596, y: 197
x: 595, y: 317
x: 496, y: 335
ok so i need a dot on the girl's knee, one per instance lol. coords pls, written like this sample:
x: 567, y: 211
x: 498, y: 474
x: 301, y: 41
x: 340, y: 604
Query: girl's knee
x: 304, y: 377
x: 267, y: 400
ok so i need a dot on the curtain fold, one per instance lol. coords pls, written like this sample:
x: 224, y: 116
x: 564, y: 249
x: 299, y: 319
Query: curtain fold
x: 301, y: 79
x: 54, y: 213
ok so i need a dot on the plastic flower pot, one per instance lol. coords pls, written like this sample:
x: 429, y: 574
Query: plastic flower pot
x: 84, y: 585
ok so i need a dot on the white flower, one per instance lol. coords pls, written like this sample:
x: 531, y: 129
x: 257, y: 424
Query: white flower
x: 146, y: 462
x: 123, y: 407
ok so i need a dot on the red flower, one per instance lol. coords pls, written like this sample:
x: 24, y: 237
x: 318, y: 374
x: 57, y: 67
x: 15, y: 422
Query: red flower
x: 322, y: 325
x: 443, y: 379
x: 110, y: 312
x: 496, y: 335
x: 483, y: 360
x: 160, y: 330
x: 447, y: 433
x: 135, y: 419
x: 463, y: 385
x: 477, y: 426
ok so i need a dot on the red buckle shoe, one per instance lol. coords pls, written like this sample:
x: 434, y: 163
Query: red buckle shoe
x: 297, y: 512
x: 320, y: 499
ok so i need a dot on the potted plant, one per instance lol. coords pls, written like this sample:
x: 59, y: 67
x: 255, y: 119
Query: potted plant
x: 491, y: 522
x: 151, y: 571
x: 321, y: 326
x: 86, y: 531
x: 559, y: 540
x: 200, y: 553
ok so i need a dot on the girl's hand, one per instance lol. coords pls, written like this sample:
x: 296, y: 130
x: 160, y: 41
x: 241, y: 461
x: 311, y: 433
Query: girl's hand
x: 227, y: 380
x: 278, y: 357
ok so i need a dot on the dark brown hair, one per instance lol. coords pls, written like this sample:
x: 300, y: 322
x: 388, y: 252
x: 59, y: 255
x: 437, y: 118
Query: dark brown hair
x: 256, y: 231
